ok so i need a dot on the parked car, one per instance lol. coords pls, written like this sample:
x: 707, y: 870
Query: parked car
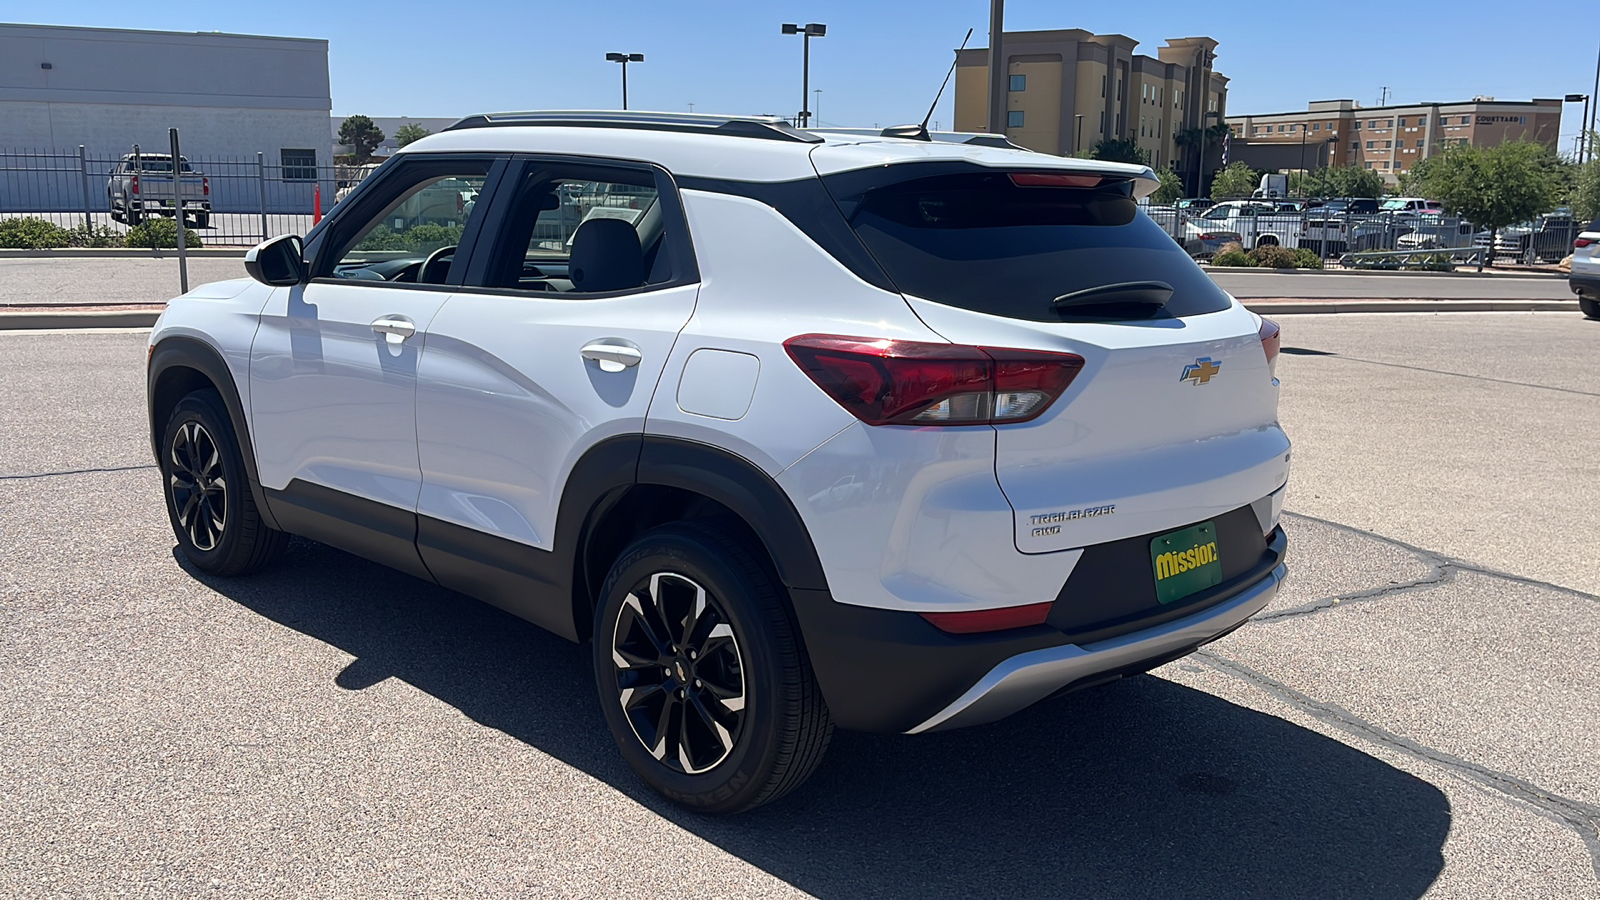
x: 867, y: 432
x: 1411, y: 204
x: 1584, y: 279
x: 1353, y: 206
x: 1549, y: 238
x: 1202, y: 240
x: 1259, y: 223
x: 143, y: 185
x: 1431, y: 232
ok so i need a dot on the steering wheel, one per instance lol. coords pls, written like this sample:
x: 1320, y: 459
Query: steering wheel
x: 437, y: 260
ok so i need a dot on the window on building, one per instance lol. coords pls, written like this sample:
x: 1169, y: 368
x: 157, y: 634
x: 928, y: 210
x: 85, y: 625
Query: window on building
x: 1102, y: 85
x: 1019, y: 82
x: 1369, y: 165
x: 1388, y: 144
x: 1293, y: 128
x: 1466, y: 120
x: 298, y: 165
x: 1372, y: 123
x: 1358, y: 125
x: 1280, y: 128
x: 1402, y: 123
x: 1102, y: 121
x: 1014, y: 118
x: 1419, y: 142
x: 1316, y: 126
x: 1371, y: 144
x: 1355, y: 145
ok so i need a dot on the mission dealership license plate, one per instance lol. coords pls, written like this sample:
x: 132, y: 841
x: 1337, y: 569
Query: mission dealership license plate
x: 1186, y: 561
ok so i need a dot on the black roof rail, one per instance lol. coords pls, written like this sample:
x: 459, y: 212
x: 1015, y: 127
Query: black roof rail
x: 764, y: 127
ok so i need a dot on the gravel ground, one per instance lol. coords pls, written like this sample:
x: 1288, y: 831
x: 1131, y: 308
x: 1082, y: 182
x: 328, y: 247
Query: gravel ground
x: 1402, y: 722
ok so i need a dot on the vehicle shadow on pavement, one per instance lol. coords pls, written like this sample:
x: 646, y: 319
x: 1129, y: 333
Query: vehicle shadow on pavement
x: 1142, y: 788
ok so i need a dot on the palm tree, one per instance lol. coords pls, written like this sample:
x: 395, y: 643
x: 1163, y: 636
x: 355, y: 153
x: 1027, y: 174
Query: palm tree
x: 1202, y: 138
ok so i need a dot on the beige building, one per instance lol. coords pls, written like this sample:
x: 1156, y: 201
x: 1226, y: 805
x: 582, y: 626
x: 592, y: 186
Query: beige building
x: 1387, y: 139
x: 1069, y: 89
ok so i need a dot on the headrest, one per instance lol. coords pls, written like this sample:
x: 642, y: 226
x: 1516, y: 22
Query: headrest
x: 606, y: 256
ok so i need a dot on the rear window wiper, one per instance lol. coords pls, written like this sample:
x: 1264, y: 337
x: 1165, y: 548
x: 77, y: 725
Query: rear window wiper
x: 1140, y: 293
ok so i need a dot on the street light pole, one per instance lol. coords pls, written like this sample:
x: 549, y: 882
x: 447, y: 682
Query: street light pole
x: 1582, y: 134
x: 806, y: 32
x: 625, y: 58
x: 998, y: 83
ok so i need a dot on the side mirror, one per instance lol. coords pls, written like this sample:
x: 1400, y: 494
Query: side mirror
x: 278, y: 262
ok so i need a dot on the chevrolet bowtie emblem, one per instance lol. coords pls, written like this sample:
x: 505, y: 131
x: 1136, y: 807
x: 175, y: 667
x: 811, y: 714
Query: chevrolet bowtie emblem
x: 1201, y: 370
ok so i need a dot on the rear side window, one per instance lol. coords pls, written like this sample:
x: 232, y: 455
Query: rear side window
x: 1011, y: 244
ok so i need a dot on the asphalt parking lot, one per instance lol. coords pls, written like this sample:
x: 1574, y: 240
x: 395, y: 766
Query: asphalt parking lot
x: 1417, y: 714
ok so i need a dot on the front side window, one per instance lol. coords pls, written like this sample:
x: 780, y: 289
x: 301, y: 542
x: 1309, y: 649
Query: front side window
x: 407, y: 232
x: 298, y: 165
x: 576, y: 231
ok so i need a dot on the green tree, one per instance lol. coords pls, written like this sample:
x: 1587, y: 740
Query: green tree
x: 1585, y: 197
x: 1124, y: 150
x: 1201, y: 140
x: 1493, y: 187
x: 362, y: 136
x: 1337, y: 181
x: 1171, y: 189
x: 409, y: 132
x: 1237, y: 180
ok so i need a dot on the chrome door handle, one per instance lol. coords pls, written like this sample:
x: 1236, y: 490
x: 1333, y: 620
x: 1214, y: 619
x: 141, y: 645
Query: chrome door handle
x: 394, y: 329
x: 613, y: 356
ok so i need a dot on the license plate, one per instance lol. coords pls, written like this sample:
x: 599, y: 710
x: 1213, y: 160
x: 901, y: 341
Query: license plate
x: 1186, y: 561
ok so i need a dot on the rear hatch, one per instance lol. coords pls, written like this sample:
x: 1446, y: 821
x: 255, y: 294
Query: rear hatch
x: 1173, y: 418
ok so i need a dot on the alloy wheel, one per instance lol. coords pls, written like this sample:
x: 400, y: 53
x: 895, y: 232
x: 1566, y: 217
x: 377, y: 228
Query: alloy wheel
x: 196, y: 483
x: 679, y: 673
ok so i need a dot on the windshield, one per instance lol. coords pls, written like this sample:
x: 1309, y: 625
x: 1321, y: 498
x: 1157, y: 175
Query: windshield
x: 1009, y: 244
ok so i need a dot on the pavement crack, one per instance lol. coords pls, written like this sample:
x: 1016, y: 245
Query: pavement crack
x: 67, y: 472
x: 1582, y: 818
x: 1442, y: 569
x: 1542, y: 387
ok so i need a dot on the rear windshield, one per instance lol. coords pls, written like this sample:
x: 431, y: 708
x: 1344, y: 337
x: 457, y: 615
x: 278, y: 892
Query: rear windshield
x: 984, y: 240
x: 158, y: 164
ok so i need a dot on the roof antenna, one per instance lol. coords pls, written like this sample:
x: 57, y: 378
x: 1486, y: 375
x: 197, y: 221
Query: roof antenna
x: 920, y: 132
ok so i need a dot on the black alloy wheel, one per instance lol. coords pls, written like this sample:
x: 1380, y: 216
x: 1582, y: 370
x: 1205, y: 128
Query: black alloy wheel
x: 680, y: 678
x: 197, y: 485
x: 702, y: 676
x: 209, y: 500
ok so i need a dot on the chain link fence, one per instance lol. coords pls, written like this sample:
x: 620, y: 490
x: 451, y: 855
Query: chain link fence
x: 241, y: 201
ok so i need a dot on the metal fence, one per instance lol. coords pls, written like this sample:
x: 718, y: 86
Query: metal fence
x: 251, y: 198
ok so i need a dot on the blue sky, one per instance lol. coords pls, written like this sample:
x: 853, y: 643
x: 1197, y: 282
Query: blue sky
x: 881, y: 62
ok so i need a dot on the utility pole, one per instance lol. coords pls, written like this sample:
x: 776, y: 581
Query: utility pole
x: 997, y: 63
x: 625, y: 58
x: 806, y: 32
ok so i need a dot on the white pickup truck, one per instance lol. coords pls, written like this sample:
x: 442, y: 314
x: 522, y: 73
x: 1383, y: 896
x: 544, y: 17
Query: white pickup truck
x: 1259, y: 223
x: 143, y: 185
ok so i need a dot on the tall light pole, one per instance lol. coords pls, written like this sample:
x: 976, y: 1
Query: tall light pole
x: 816, y: 108
x: 998, y: 82
x: 625, y: 58
x: 806, y: 32
x: 1583, y: 135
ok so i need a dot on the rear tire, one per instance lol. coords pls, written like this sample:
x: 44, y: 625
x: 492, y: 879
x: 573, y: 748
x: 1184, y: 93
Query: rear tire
x: 701, y: 672
x: 201, y: 220
x: 1266, y: 240
x: 1590, y: 307
x: 209, y: 503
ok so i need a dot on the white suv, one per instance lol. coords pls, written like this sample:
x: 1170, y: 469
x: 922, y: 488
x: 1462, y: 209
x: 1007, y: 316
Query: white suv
x: 799, y: 429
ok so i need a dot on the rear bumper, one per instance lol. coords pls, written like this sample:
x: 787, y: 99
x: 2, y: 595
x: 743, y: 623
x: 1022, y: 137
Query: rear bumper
x: 1584, y: 285
x: 891, y: 671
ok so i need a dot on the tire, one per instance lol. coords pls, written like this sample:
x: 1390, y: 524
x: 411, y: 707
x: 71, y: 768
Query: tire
x: 201, y: 220
x: 132, y: 217
x: 207, y: 491
x: 1590, y: 307
x: 759, y: 726
x: 1266, y: 240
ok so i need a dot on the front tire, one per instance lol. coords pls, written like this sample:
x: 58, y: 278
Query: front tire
x: 209, y: 504
x: 701, y: 672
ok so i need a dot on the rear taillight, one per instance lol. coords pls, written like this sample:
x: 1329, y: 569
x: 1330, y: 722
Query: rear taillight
x: 205, y: 186
x: 980, y: 620
x: 887, y: 382
x: 136, y: 184
x: 1580, y: 243
x: 1271, y: 343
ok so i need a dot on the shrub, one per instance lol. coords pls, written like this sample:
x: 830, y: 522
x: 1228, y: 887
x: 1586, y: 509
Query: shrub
x: 95, y: 236
x: 1231, y: 247
x: 382, y: 238
x: 428, y: 238
x: 32, y: 234
x: 1234, y: 257
x: 160, y: 233
x: 1273, y: 257
x: 1306, y: 258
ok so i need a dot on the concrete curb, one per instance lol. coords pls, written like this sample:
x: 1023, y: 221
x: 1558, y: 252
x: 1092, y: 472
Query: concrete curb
x: 124, y: 253
x: 1289, y: 307
x: 37, y: 319
x: 1314, y: 273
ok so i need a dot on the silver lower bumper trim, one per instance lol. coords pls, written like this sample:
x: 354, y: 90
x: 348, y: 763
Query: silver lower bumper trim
x: 1027, y: 678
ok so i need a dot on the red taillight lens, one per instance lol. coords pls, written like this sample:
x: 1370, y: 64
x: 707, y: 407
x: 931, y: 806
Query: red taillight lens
x: 136, y: 184
x: 885, y: 382
x: 1271, y: 342
x: 205, y: 186
x: 1580, y: 243
x: 980, y: 620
